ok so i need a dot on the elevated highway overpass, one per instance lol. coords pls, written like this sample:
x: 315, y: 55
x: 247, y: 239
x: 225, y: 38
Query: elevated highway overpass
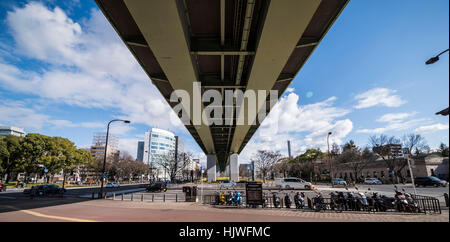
x: 222, y: 45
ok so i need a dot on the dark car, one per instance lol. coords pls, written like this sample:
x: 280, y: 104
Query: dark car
x: 156, y: 187
x: 429, y: 181
x: 44, y: 190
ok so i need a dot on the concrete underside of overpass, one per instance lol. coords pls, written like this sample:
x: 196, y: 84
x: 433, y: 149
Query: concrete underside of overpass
x: 223, y: 45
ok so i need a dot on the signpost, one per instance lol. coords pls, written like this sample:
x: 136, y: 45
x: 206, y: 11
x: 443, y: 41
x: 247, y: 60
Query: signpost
x: 254, y: 193
x: 201, y: 193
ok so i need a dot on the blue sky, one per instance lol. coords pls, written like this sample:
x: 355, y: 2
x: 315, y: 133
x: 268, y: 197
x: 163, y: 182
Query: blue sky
x: 59, y: 76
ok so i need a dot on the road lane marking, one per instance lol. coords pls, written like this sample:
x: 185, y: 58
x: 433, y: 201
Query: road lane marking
x: 51, y: 216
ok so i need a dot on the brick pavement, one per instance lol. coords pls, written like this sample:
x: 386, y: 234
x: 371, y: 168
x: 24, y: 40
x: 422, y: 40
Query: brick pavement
x: 292, y: 214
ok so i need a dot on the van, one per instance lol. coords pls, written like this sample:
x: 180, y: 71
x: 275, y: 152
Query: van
x: 292, y: 182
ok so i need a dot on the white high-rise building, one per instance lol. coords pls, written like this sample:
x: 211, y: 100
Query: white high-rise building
x: 159, y: 142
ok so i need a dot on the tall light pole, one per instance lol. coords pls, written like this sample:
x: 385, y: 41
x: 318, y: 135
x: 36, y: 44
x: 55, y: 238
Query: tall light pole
x: 329, y: 160
x: 104, y: 157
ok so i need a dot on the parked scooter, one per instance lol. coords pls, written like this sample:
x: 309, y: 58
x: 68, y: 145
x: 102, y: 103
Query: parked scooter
x: 362, y: 203
x: 319, y: 203
x: 237, y: 199
x: 333, y: 200
x: 412, y: 203
x: 351, y: 201
x: 378, y: 203
x: 223, y: 198
x: 229, y: 198
x: 265, y: 200
x: 287, y: 201
x: 276, y: 200
x: 299, y: 200
x: 342, y: 201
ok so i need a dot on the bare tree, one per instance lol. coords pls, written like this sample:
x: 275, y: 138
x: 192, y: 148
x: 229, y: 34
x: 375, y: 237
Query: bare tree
x: 172, y: 166
x: 264, y: 161
x: 381, y: 146
x: 414, y: 141
x: 283, y: 166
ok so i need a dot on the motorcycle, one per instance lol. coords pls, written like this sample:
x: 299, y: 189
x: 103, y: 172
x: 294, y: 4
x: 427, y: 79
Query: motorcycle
x: 237, y: 199
x: 223, y: 199
x: 351, y: 201
x: 265, y: 200
x: 378, y: 203
x: 319, y: 203
x: 333, y: 201
x: 413, y: 203
x: 401, y: 203
x: 229, y: 198
x: 287, y: 201
x: 342, y: 201
x: 362, y: 202
x: 388, y: 202
x: 299, y: 200
x: 276, y: 200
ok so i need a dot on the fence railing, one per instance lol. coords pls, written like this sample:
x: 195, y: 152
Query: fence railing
x: 425, y: 204
x: 163, y: 197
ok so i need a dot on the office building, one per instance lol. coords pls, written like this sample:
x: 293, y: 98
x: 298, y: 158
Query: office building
x: 10, y: 130
x: 98, y: 146
x: 157, y: 144
x: 140, y: 151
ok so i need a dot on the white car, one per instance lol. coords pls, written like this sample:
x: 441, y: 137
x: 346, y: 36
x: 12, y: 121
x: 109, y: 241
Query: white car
x: 292, y: 182
x: 112, y: 184
x: 372, y: 181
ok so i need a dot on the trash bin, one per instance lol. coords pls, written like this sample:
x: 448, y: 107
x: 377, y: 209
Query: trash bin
x: 190, y: 193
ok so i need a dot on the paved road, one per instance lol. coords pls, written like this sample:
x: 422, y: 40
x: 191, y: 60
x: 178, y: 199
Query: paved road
x: 72, y: 191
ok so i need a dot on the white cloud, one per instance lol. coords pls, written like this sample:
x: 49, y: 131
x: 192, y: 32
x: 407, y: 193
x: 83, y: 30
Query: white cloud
x: 305, y: 126
x: 378, y: 97
x: 393, y: 117
x: 393, y: 126
x: 431, y: 128
x: 17, y: 113
x: 86, y: 65
x: 289, y: 90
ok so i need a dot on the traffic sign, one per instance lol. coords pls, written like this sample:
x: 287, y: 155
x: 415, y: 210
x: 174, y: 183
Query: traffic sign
x: 104, y: 175
x: 45, y: 170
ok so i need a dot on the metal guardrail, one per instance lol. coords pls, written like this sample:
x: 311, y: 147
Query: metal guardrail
x: 163, y: 197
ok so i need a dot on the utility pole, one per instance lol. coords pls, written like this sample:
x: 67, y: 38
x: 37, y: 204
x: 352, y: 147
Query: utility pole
x: 329, y: 160
x: 411, y: 173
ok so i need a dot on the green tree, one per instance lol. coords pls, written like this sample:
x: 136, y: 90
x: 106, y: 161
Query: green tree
x: 32, y: 147
x: 11, y: 155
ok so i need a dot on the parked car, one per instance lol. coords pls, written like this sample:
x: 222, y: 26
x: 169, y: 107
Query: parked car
x: 292, y: 182
x: 112, y: 184
x: 157, y: 187
x: 339, y: 181
x: 43, y: 190
x: 429, y: 181
x: 372, y: 181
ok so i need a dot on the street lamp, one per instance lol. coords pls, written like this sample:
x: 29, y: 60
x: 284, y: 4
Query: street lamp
x: 436, y: 58
x: 432, y: 61
x: 106, y: 147
x: 329, y: 160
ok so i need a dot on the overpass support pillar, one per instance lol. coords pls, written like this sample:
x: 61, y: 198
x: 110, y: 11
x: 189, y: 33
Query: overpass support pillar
x: 234, y: 167
x: 211, y: 167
